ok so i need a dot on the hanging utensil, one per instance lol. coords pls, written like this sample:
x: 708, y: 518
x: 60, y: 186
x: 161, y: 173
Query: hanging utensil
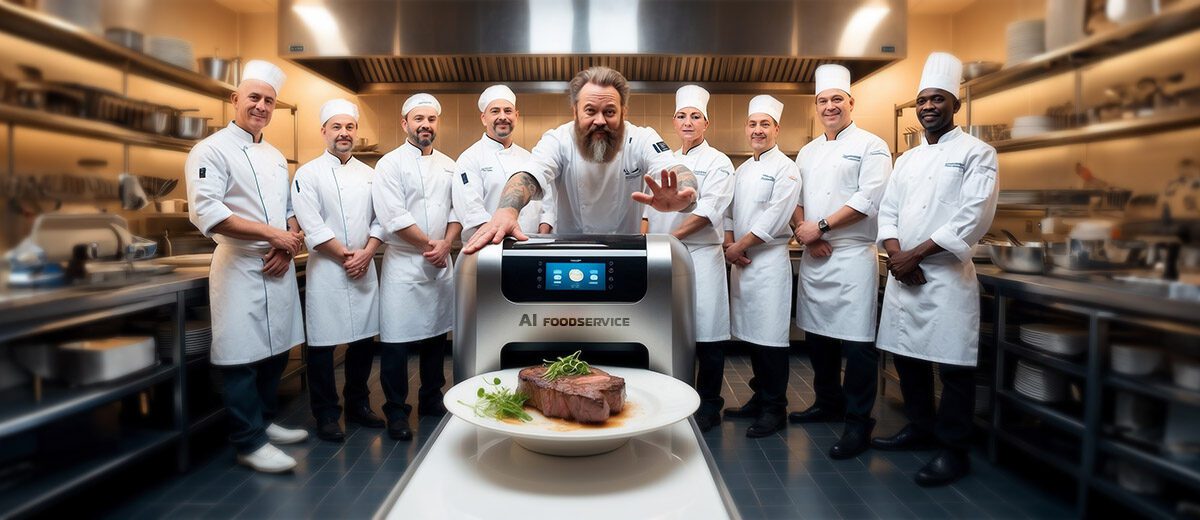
x: 1012, y: 238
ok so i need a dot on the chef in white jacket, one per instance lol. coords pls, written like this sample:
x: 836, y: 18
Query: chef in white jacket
x: 332, y: 198
x: 412, y: 201
x: 766, y: 190
x: 939, y: 203
x: 702, y: 231
x: 483, y: 168
x: 237, y: 185
x: 596, y: 166
x: 845, y: 170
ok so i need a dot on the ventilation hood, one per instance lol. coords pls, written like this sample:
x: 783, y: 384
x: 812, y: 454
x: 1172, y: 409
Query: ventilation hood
x: 729, y: 46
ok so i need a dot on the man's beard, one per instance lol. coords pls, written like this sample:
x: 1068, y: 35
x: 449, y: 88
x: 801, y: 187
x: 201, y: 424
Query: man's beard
x: 599, y: 150
x: 415, y: 137
x: 502, y: 134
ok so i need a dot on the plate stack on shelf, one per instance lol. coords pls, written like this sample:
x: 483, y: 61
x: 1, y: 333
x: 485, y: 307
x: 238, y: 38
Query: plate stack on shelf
x: 1024, y: 39
x: 1029, y: 126
x: 1040, y: 383
x: 197, y: 339
x: 1135, y: 360
x: 1060, y: 340
x: 175, y: 51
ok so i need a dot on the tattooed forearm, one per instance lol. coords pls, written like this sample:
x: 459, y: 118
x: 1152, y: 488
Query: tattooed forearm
x: 518, y: 191
x: 684, y: 177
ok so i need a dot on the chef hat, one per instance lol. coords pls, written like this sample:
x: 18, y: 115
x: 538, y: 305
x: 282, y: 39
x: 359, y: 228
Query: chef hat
x: 692, y: 96
x: 421, y: 100
x: 266, y: 72
x: 496, y: 92
x: 764, y: 104
x: 336, y: 107
x: 832, y: 76
x: 942, y: 70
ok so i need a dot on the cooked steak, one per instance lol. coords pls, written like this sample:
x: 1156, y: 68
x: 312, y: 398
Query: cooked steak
x: 588, y: 398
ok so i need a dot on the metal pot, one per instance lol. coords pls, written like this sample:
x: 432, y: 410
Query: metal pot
x: 216, y: 68
x: 1104, y: 254
x: 128, y: 38
x: 191, y: 127
x: 159, y: 119
x: 1030, y: 258
x: 976, y: 69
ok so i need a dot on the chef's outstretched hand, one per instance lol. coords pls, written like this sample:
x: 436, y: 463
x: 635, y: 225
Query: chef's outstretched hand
x: 503, y: 224
x: 666, y: 197
x: 276, y: 263
x: 438, y: 253
x: 819, y: 249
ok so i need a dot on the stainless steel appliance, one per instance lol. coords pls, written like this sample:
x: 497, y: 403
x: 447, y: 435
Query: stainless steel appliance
x: 624, y: 300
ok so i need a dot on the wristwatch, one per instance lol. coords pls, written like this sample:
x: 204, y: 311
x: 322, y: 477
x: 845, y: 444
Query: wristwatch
x: 823, y: 226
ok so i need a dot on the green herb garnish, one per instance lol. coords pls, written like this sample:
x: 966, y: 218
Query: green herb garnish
x: 566, y: 366
x: 500, y: 403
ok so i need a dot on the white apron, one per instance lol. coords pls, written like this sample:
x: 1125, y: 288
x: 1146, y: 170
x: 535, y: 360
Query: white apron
x: 836, y: 296
x: 712, y: 292
x: 254, y: 316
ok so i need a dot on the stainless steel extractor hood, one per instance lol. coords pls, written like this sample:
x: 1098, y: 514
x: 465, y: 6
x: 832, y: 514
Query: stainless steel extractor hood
x: 395, y: 46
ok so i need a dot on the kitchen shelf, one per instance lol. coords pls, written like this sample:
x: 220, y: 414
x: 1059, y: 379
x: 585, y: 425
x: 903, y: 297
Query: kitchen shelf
x: 1142, y: 505
x: 31, y: 496
x: 19, y: 411
x: 1158, y: 387
x: 1054, y: 417
x: 61, y: 35
x: 1172, y: 120
x: 88, y: 128
x: 1056, y: 460
x: 1058, y: 363
x: 1185, y: 473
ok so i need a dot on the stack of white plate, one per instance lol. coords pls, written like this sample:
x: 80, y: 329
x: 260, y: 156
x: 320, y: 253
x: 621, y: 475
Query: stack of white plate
x: 171, y: 50
x: 1040, y: 383
x: 1029, y: 126
x: 1061, y: 340
x: 1135, y: 360
x: 1025, y: 39
x: 197, y: 338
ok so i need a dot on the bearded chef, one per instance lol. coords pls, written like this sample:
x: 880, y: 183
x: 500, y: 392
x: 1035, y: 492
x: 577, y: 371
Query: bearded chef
x: 844, y: 170
x: 596, y: 166
x: 483, y: 168
x: 411, y: 195
x: 766, y: 190
x: 237, y: 187
x: 939, y: 203
x: 332, y: 196
x: 702, y: 231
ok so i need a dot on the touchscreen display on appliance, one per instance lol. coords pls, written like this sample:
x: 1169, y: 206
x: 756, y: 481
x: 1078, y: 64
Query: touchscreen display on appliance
x: 563, y: 276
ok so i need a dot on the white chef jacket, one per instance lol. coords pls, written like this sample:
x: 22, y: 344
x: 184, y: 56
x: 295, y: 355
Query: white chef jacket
x: 836, y: 295
x: 594, y: 197
x: 482, y: 171
x: 714, y: 183
x: 254, y: 316
x: 945, y: 192
x: 765, y: 193
x: 416, y: 298
x: 333, y: 200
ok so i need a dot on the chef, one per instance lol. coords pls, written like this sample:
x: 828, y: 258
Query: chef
x: 844, y: 170
x: 938, y: 204
x: 412, y: 201
x: 596, y: 166
x: 483, y: 168
x: 766, y: 190
x: 237, y: 184
x: 702, y: 231
x: 332, y: 197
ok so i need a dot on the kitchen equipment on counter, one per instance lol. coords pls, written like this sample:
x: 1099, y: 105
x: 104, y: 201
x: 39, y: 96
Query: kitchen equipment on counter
x: 191, y: 127
x: 1030, y: 258
x: 157, y: 187
x: 58, y: 233
x: 1057, y: 339
x: 128, y: 38
x: 1135, y: 360
x: 96, y: 361
x: 1185, y: 373
x: 28, y: 267
x: 912, y: 137
x: 172, y: 206
x: 1024, y: 39
x: 1029, y: 126
x: 622, y: 300
x: 197, y: 338
x: 216, y: 68
x: 977, y: 69
x: 131, y: 193
x: 989, y: 133
x: 1039, y: 383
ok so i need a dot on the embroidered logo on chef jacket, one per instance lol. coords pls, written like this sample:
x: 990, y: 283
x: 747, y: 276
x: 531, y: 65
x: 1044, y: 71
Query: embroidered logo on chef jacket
x: 451, y: 172
x: 634, y: 173
x: 960, y: 166
x: 661, y: 147
x: 464, y: 177
x: 855, y: 158
x: 881, y: 153
x: 700, y: 173
x: 202, y: 172
x: 766, y: 177
x: 486, y: 169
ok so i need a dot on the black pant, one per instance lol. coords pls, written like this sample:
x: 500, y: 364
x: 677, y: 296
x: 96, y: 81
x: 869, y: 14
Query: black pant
x: 855, y: 395
x: 322, y: 388
x: 710, y: 374
x: 393, y: 375
x: 952, y: 422
x: 252, y: 397
x: 770, y: 366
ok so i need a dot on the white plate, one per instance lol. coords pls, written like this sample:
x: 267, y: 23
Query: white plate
x: 652, y: 401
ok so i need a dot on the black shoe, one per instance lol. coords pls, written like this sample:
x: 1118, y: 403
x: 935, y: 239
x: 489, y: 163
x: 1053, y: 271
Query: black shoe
x: 751, y: 410
x: 816, y: 414
x: 330, y: 431
x: 399, y: 430
x: 767, y: 424
x: 365, y: 417
x: 945, y: 468
x: 707, y: 421
x: 432, y: 410
x: 856, y: 438
x: 908, y: 439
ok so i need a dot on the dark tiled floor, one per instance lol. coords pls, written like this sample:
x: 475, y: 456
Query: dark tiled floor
x: 787, y: 475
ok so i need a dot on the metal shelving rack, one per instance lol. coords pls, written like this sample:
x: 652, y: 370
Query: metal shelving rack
x: 1183, y: 18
